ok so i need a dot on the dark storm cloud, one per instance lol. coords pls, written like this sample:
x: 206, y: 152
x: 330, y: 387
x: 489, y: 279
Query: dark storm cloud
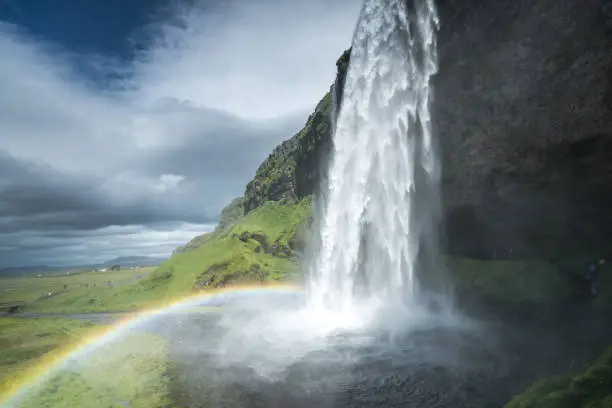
x: 37, y: 198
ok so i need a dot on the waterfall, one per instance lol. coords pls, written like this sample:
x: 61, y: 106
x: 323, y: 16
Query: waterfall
x: 380, y: 200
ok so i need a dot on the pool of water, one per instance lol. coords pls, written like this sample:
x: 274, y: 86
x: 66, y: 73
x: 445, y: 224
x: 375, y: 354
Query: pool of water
x: 429, y: 364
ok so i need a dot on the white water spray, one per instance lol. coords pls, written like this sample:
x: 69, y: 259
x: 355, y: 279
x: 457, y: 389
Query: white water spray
x: 379, y: 209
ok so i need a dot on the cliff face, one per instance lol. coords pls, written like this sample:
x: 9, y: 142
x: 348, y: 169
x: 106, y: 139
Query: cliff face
x: 523, y: 115
x: 294, y: 169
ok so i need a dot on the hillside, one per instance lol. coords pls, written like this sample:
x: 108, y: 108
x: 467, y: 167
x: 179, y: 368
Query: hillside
x: 260, y: 246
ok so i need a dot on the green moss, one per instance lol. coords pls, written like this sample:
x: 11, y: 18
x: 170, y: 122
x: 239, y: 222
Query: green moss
x: 255, y: 248
x: 589, y: 389
x: 343, y: 62
x: 23, y: 341
x: 130, y: 372
x: 293, y: 170
x: 274, y: 179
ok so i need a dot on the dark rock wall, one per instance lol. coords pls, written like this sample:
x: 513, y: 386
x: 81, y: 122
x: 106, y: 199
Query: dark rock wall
x: 523, y: 116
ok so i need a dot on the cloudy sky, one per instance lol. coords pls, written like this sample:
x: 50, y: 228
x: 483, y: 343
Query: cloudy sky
x: 125, y: 126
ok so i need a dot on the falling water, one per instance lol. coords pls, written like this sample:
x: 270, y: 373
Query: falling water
x: 380, y: 201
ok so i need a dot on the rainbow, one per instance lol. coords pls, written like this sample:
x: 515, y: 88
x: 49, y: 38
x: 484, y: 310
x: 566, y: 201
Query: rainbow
x: 55, y: 361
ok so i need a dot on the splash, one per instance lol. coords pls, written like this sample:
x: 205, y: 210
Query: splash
x: 55, y: 362
x: 380, y: 205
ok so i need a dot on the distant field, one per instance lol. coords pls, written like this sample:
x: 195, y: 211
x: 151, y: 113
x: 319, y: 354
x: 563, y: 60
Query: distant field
x: 71, y: 293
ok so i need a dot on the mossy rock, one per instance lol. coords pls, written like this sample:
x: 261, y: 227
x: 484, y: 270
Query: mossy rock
x: 589, y: 389
x: 295, y: 168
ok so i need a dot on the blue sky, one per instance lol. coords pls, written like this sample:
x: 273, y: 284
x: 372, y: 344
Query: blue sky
x: 125, y: 126
x: 115, y: 29
x: 101, y: 27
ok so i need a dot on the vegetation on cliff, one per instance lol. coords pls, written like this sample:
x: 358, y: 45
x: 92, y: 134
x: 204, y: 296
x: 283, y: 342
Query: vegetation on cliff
x: 260, y: 246
x: 589, y: 389
x: 294, y: 169
x: 233, y: 211
x: 285, y: 176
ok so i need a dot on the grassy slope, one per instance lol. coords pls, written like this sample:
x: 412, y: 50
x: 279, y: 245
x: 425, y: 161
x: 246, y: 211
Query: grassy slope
x: 74, y: 299
x: 232, y: 254
x: 230, y: 213
x: 589, y: 389
x: 29, y: 288
x: 224, y: 254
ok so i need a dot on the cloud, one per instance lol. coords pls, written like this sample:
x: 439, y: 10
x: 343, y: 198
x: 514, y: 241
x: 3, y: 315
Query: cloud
x: 70, y: 247
x: 257, y: 59
x: 169, y: 142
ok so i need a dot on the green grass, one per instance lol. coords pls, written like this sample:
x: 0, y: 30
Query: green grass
x: 29, y: 288
x: 589, y: 389
x: 67, y: 293
x: 256, y: 248
x: 130, y: 372
x: 133, y: 369
x: 230, y: 213
x: 24, y: 341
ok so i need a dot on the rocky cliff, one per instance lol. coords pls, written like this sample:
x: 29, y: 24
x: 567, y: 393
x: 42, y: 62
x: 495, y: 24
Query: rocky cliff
x: 523, y: 114
x: 295, y: 168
